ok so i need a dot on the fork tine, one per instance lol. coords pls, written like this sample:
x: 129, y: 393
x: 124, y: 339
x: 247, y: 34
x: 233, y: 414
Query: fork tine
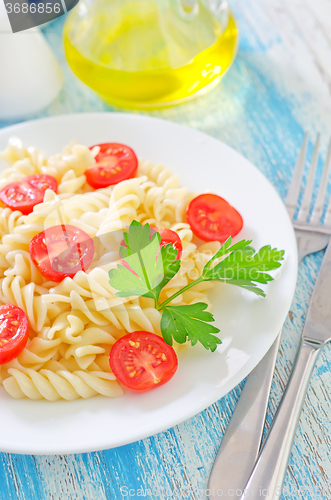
x: 304, y: 210
x: 327, y: 220
x: 294, y: 189
x: 319, y: 204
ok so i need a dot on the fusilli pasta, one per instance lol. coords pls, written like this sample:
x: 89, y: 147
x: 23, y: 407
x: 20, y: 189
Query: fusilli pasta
x: 74, y: 323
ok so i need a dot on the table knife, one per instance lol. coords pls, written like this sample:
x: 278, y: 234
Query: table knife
x: 241, y: 443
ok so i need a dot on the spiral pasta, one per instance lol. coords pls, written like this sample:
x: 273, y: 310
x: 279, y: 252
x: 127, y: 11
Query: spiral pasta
x: 74, y: 323
x: 55, y: 382
x: 164, y: 201
x: 67, y: 168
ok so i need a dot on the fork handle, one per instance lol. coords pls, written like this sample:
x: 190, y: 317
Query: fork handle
x: 267, y: 477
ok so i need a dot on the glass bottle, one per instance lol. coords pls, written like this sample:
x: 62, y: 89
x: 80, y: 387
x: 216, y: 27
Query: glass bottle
x: 150, y: 53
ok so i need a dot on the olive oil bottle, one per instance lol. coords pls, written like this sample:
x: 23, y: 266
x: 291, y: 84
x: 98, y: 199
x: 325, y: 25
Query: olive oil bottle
x: 146, y: 54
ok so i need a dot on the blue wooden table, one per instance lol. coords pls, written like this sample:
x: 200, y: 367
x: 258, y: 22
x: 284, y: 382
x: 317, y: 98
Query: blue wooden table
x: 278, y: 87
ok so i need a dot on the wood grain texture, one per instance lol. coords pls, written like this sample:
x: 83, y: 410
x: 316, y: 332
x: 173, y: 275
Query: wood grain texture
x: 278, y: 87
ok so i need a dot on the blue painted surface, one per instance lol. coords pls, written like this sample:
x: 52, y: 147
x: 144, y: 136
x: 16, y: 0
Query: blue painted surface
x: 261, y: 109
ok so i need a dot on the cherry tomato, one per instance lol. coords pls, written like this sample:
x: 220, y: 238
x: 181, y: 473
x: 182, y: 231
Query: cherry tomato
x: 14, y: 332
x: 142, y: 361
x: 212, y: 218
x: 169, y: 236
x: 115, y: 163
x: 25, y: 194
x: 61, y: 251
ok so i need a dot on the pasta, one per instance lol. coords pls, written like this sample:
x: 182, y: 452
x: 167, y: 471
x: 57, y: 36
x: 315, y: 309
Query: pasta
x: 74, y: 323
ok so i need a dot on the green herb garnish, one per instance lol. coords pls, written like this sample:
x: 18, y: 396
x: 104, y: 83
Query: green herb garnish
x: 150, y: 268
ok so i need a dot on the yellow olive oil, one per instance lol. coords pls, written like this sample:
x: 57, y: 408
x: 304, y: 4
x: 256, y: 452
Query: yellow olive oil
x: 144, y: 59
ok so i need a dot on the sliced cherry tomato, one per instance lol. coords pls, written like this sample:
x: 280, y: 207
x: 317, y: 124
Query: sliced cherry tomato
x: 115, y: 163
x: 169, y: 236
x: 142, y: 361
x: 212, y: 218
x: 61, y: 251
x: 14, y: 332
x: 27, y: 193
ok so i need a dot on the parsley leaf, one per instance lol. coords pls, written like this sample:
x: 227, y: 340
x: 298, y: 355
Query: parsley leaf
x: 137, y: 238
x: 243, y: 267
x: 170, y: 267
x: 148, y: 267
x: 145, y: 271
x: 192, y: 323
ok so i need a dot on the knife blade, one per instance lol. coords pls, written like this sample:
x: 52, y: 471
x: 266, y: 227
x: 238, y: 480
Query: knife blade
x: 241, y: 443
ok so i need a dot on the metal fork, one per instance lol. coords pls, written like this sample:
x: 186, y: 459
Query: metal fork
x: 242, y: 441
x: 309, y: 235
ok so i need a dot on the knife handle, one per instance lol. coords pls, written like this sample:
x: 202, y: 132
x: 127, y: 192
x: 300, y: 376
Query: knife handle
x: 241, y: 443
x: 268, y: 474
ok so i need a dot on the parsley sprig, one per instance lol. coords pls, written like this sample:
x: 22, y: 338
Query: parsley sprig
x: 148, y: 268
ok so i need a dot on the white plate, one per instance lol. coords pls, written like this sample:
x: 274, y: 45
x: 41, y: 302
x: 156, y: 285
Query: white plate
x: 248, y: 324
